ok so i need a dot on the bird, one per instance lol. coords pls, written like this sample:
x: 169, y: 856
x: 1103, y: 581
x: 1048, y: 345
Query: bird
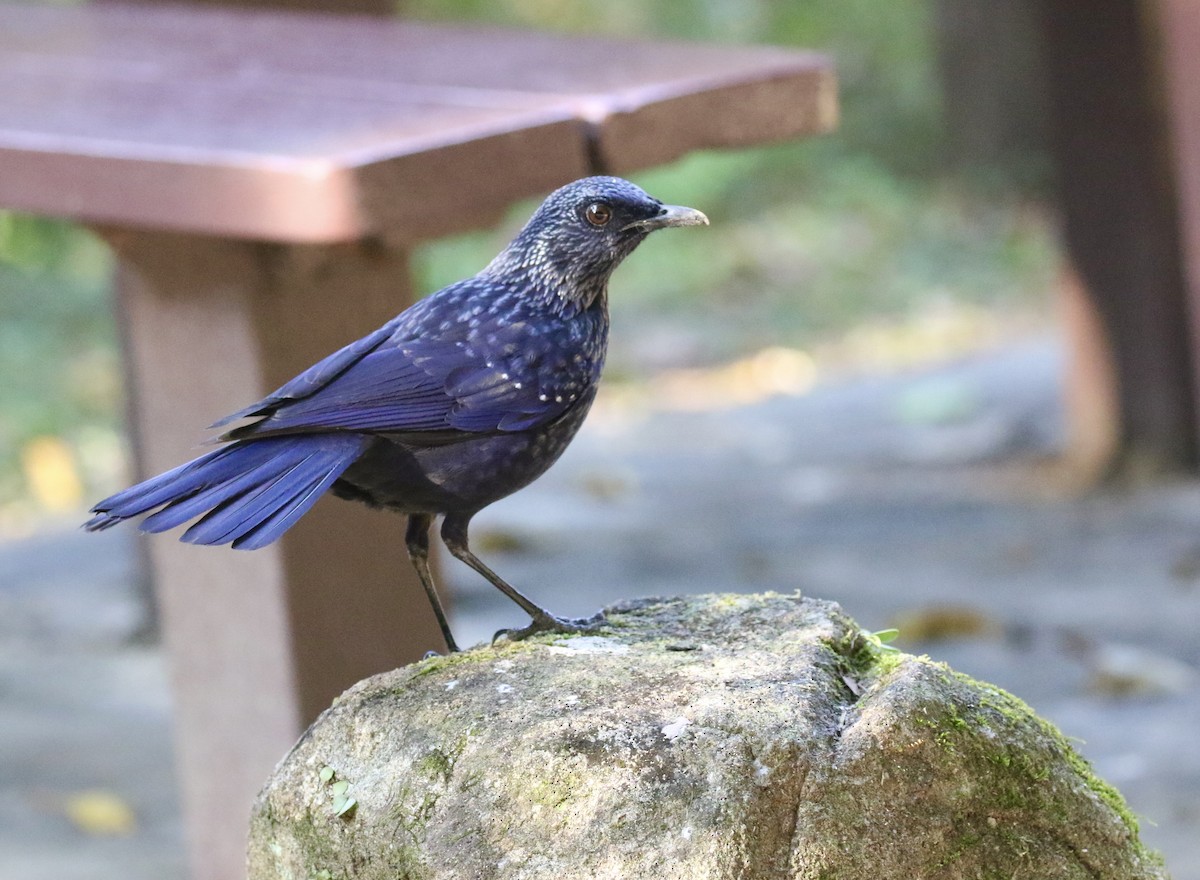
x: 465, y: 397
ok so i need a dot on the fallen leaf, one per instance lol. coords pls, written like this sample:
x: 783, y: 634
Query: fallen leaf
x: 941, y: 622
x: 100, y: 813
x: 500, y: 541
x: 51, y: 473
x: 1119, y: 670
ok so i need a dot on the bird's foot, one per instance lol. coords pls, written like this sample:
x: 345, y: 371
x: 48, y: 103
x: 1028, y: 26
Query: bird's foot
x: 543, y: 623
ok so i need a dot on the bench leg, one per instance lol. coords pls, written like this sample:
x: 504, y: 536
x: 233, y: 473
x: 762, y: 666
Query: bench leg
x: 1176, y: 27
x: 1122, y: 222
x: 260, y: 642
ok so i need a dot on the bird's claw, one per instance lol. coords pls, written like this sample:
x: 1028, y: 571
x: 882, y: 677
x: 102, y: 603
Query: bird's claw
x: 550, y: 623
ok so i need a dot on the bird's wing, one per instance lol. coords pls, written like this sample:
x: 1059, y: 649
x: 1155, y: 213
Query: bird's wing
x: 427, y: 385
x: 315, y: 377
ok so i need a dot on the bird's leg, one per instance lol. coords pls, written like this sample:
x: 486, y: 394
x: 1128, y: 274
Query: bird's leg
x: 454, y: 534
x: 416, y: 537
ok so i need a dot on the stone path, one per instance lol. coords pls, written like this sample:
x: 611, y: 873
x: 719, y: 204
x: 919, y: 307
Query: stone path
x: 923, y: 499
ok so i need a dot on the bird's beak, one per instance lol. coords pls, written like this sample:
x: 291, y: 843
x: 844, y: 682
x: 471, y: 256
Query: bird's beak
x: 670, y: 215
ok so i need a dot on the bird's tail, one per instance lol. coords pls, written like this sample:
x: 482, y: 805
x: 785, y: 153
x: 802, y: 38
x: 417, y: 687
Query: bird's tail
x: 250, y: 492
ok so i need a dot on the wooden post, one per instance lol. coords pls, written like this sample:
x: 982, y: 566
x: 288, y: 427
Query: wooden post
x: 1118, y: 195
x: 1175, y: 26
x: 259, y: 642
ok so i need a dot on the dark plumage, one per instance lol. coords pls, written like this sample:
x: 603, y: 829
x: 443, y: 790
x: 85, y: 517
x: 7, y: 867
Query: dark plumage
x: 465, y: 397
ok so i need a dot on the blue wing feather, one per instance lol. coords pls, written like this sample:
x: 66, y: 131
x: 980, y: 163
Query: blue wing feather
x: 421, y: 386
x: 426, y: 371
x: 315, y: 377
x: 383, y: 391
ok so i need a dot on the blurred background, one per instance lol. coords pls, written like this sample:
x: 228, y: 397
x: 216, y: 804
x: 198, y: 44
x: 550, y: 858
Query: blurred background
x: 887, y: 244
x: 853, y: 385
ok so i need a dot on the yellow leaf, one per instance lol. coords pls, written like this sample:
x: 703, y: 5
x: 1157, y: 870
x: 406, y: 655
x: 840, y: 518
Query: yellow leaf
x: 939, y: 623
x: 100, y: 813
x: 51, y: 474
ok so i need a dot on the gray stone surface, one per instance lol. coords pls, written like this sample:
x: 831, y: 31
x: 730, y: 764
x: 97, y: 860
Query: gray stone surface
x: 876, y: 493
x: 722, y: 736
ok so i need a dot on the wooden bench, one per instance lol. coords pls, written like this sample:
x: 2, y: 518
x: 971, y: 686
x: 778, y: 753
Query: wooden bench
x: 261, y: 177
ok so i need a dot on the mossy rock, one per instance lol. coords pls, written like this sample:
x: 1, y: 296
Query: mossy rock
x: 753, y: 737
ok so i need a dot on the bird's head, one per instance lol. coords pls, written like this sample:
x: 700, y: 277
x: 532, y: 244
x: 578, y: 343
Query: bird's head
x: 581, y: 233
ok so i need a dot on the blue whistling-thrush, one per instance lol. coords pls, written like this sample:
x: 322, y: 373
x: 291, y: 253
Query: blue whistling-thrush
x: 462, y: 399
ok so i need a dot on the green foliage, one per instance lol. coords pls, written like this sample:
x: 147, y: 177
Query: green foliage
x: 342, y: 804
x: 57, y: 344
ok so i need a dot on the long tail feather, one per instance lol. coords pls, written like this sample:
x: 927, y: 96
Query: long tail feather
x: 235, y: 516
x: 284, y: 517
x: 192, y: 506
x: 250, y: 492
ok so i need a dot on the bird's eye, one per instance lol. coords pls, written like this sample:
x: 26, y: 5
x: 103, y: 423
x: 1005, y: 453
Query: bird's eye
x: 598, y: 213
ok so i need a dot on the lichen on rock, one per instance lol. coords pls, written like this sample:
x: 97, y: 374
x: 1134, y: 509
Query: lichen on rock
x: 754, y: 737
